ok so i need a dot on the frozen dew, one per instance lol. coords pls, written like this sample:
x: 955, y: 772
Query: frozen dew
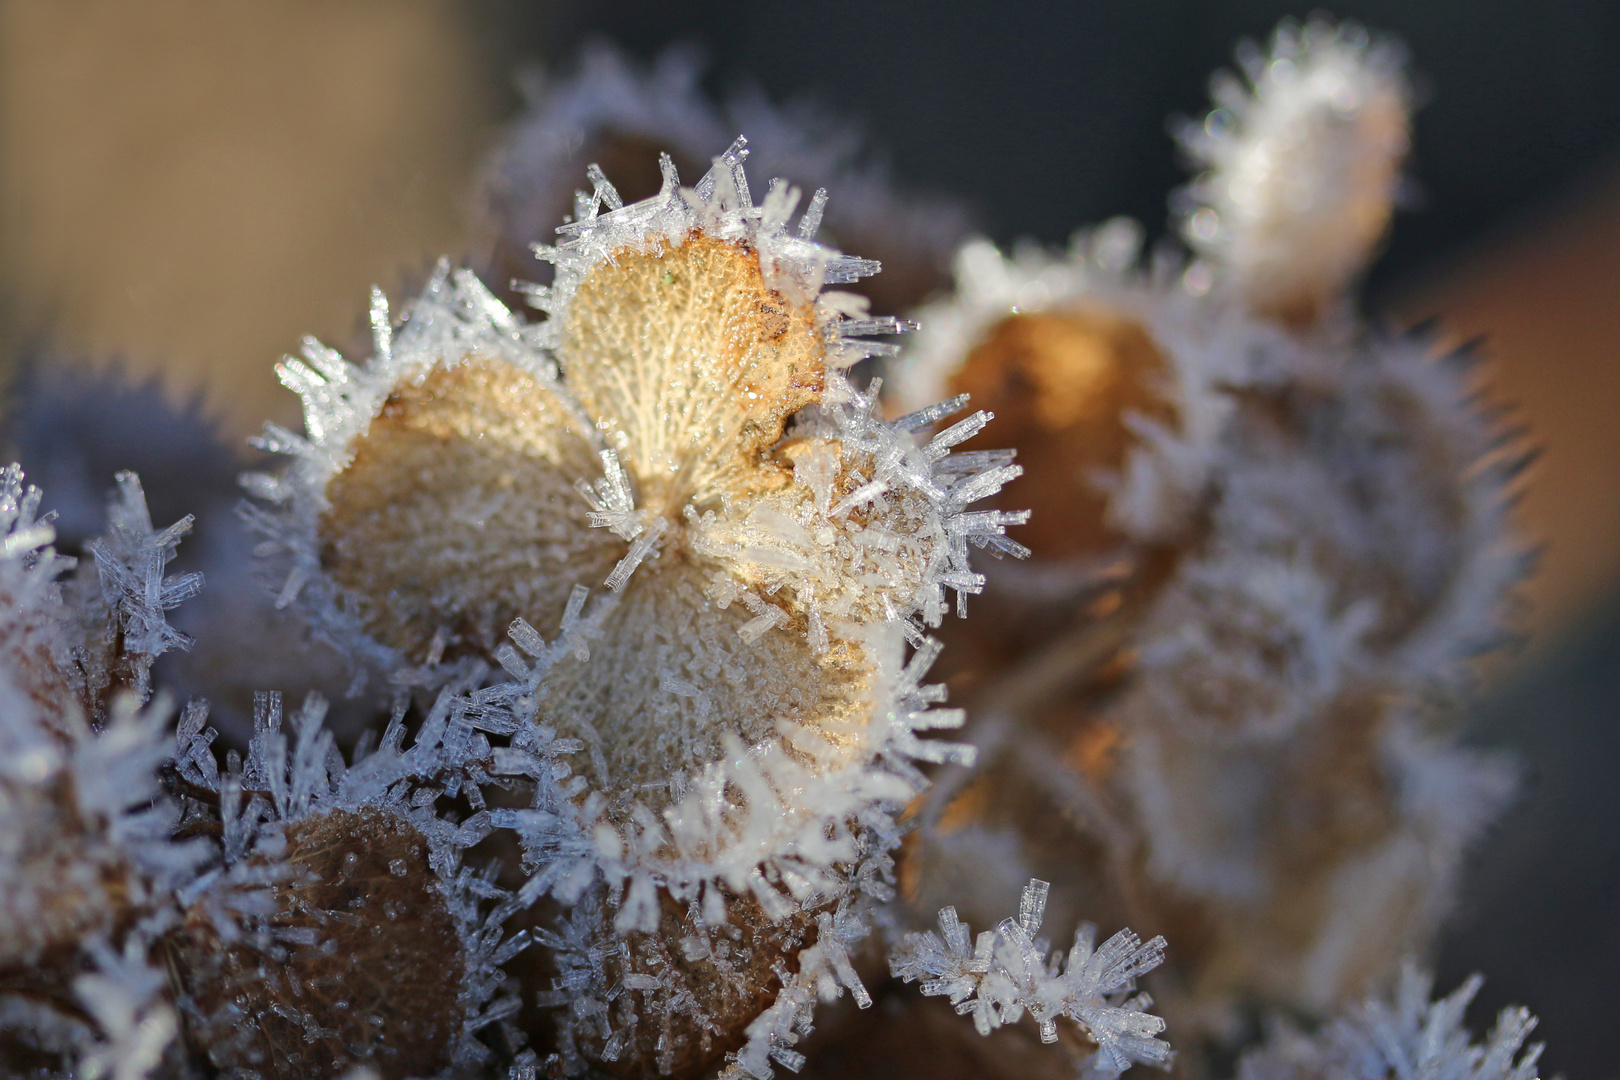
x: 1007, y: 972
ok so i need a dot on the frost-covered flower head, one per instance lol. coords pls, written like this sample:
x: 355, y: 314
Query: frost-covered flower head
x: 1303, y: 165
x: 621, y: 114
x: 1106, y: 376
x: 88, y: 861
x: 1270, y: 558
x: 337, y: 922
x: 679, y: 432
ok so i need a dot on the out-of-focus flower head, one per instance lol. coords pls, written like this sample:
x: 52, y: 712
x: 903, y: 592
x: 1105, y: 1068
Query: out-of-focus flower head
x: 1302, y: 166
x: 1267, y: 553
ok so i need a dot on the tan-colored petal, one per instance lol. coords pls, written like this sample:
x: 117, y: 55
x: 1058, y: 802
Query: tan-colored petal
x: 458, y: 509
x: 689, y: 364
x: 671, y: 675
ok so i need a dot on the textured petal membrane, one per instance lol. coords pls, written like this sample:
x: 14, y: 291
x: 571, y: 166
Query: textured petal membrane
x: 671, y: 674
x: 690, y: 366
x: 459, y: 509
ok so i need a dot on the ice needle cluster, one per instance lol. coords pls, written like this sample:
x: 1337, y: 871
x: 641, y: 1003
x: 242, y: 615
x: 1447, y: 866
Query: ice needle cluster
x: 1011, y: 970
x: 1406, y: 1035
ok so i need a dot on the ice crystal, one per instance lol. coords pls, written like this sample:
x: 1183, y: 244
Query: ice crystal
x: 124, y: 996
x: 130, y: 560
x: 1011, y: 970
x: 1302, y: 165
x: 1409, y: 1035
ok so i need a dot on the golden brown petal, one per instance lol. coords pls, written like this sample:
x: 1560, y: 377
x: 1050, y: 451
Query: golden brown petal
x: 689, y: 364
x: 459, y: 510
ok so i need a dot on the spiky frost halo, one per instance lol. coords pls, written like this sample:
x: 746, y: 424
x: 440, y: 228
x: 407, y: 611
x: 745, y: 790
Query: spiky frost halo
x: 621, y: 114
x: 88, y: 863
x: 1302, y: 167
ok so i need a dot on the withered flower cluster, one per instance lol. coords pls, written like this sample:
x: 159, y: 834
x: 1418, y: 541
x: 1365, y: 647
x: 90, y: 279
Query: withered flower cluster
x: 611, y: 620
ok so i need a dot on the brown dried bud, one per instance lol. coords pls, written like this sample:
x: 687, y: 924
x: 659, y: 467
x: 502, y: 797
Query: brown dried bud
x: 1066, y: 387
x: 359, y: 963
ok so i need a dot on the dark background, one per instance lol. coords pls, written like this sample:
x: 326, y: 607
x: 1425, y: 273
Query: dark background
x: 1046, y: 116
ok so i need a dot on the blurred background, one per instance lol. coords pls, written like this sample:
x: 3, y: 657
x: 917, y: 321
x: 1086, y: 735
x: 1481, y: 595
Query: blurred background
x: 189, y: 186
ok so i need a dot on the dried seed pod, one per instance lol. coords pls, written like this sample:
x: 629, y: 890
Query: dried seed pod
x: 1067, y: 385
x: 678, y: 429
x: 359, y: 963
x: 694, y: 989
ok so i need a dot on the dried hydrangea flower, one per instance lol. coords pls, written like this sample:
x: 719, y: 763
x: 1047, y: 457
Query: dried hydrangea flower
x: 622, y: 115
x: 1302, y: 166
x: 679, y: 431
x: 1295, y: 548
